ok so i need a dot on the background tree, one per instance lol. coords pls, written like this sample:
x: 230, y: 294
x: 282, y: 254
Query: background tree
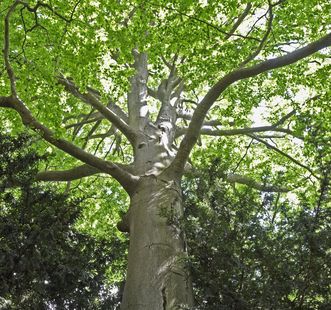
x: 45, y: 261
x: 255, y: 251
x: 128, y: 88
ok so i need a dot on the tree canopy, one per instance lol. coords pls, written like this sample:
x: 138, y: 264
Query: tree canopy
x: 127, y: 94
x: 82, y: 44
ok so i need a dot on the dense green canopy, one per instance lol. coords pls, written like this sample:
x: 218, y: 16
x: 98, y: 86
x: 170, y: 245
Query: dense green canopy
x: 91, y: 42
x: 251, y: 85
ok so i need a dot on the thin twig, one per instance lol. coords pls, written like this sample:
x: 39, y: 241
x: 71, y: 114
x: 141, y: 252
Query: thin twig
x: 284, y: 154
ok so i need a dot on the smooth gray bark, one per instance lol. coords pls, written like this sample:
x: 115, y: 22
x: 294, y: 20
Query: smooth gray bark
x: 157, y: 276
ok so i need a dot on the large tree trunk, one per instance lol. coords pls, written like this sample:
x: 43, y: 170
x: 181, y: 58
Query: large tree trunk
x: 157, y: 276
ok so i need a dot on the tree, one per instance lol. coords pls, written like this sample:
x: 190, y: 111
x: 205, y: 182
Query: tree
x: 45, y: 261
x: 139, y: 82
x: 255, y: 251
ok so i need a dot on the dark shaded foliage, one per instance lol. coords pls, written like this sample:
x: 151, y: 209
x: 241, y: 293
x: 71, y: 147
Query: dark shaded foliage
x: 251, y: 250
x: 45, y: 263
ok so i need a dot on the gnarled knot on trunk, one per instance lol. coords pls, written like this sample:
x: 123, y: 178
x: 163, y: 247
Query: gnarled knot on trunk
x: 123, y: 225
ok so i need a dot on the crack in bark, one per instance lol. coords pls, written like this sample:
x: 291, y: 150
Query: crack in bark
x: 164, y: 298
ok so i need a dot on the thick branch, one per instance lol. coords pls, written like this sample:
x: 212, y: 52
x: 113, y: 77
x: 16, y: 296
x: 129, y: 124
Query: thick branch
x: 123, y: 177
x: 188, y: 116
x: 212, y: 95
x: 239, y: 21
x: 234, y: 132
x: 215, y: 122
x: 270, y: 136
x: 169, y: 93
x: 68, y: 175
x: 107, y: 112
x: 263, y: 40
x: 137, y: 97
x: 241, y: 179
x: 75, y: 173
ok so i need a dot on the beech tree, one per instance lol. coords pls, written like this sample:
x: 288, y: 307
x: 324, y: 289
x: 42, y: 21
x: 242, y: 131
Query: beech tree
x: 130, y: 89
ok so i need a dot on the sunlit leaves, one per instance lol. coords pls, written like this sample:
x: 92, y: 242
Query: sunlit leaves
x: 91, y: 43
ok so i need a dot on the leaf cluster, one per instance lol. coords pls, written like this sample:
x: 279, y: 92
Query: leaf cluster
x: 44, y: 260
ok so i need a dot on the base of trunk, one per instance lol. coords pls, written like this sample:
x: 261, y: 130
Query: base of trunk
x: 157, y: 276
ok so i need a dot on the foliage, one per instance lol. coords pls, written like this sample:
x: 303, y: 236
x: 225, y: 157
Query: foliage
x: 94, y: 48
x: 252, y: 250
x: 273, y: 246
x: 45, y: 261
